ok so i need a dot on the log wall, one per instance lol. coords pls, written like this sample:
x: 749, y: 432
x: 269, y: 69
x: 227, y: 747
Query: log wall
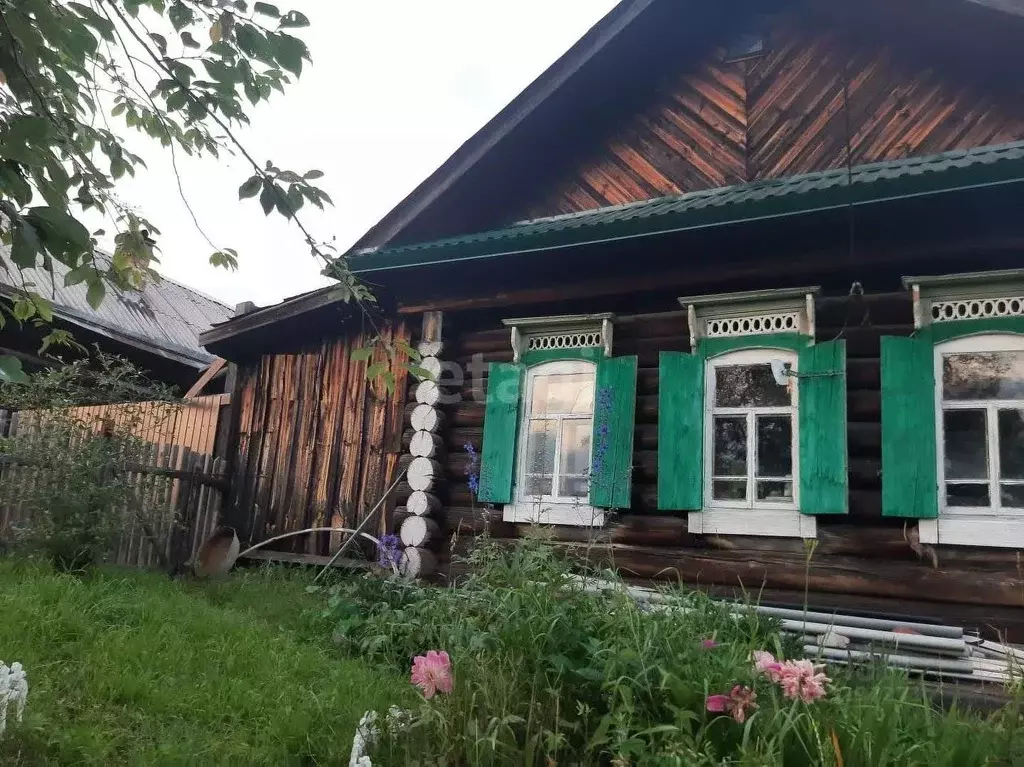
x: 860, y: 560
x: 317, y: 443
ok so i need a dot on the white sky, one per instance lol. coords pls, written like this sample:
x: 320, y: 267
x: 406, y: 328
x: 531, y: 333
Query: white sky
x: 395, y: 87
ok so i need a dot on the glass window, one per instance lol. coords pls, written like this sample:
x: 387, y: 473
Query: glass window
x: 982, y: 423
x: 752, y: 431
x: 555, y: 441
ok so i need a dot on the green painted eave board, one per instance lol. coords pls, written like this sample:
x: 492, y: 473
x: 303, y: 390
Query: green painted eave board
x: 760, y: 200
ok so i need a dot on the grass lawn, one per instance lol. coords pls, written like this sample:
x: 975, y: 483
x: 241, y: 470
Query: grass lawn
x: 133, y: 668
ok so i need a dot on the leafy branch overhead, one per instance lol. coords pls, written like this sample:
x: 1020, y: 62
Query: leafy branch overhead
x: 77, y: 77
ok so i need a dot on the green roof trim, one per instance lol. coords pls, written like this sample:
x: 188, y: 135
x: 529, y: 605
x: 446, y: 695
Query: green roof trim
x: 758, y: 200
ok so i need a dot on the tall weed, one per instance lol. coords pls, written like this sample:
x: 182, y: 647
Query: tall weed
x: 546, y: 674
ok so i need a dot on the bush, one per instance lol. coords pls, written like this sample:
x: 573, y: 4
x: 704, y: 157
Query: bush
x: 547, y: 674
x: 69, y: 477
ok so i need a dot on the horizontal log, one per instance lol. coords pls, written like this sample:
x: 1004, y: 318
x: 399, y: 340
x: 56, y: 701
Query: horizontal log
x: 425, y: 418
x: 469, y: 521
x: 418, y: 531
x: 752, y: 571
x: 422, y: 503
x: 864, y: 504
x: 426, y: 445
x: 417, y: 563
x: 424, y: 473
x: 428, y: 393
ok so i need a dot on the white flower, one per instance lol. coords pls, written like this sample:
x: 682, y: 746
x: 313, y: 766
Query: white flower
x: 13, y: 692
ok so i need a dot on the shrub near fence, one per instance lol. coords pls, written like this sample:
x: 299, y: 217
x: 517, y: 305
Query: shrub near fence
x: 161, y: 475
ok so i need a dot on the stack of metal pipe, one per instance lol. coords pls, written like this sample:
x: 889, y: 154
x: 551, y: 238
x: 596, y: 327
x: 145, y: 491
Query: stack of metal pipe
x: 928, y: 649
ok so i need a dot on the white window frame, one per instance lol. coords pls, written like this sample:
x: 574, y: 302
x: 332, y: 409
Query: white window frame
x: 550, y: 509
x: 972, y: 525
x: 751, y: 517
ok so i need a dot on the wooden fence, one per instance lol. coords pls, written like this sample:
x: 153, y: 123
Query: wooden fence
x: 178, y: 482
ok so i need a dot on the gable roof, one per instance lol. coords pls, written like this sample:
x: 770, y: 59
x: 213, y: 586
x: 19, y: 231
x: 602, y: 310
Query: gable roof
x: 498, y: 128
x: 788, y: 196
x: 431, y: 210
x: 164, y: 318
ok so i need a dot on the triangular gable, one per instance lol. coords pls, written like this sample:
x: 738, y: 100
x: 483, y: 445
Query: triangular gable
x: 576, y: 115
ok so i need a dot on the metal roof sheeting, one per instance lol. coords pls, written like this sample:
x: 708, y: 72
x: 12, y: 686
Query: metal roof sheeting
x: 165, y: 317
x: 793, y: 195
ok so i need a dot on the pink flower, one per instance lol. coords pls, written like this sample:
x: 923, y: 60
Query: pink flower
x: 739, y: 699
x: 800, y: 679
x: 432, y: 673
x: 709, y: 644
x: 765, y: 663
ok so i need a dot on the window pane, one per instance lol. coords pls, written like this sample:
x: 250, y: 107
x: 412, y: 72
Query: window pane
x: 749, y: 386
x: 575, y: 457
x: 1011, y: 496
x: 775, y: 491
x: 536, y: 484
x: 729, y: 489
x: 989, y: 375
x: 540, y: 447
x: 574, y: 487
x: 966, y: 495
x: 966, y: 444
x: 1011, y: 444
x: 730, y: 446
x: 565, y: 393
x: 774, y: 446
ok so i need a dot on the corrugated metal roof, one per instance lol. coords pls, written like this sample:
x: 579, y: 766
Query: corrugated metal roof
x: 793, y: 195
x: 165, y: 317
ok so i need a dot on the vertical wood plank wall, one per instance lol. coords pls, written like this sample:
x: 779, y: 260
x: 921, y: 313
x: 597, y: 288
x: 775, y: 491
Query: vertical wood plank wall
x: 318, y: 444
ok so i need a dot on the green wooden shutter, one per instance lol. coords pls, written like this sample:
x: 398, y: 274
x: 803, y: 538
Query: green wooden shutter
x: 909, y: 473
x: 680, y: 431
x: 611, y: 478
x: 501, y: 424
x: 822, y: 413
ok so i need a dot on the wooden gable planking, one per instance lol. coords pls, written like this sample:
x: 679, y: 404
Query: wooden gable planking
x: 783, y: 113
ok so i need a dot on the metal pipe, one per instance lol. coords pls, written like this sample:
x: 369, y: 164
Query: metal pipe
x: 934, y: 644
x: 927, y: 629
x: 903, y: 661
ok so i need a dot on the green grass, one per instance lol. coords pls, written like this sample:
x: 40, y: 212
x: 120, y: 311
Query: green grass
x: 133, y: 668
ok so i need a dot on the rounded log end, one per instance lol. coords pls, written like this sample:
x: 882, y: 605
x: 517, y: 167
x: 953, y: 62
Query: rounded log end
x: 417, y: 563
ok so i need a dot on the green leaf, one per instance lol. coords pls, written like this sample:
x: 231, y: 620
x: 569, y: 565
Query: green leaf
x: 11, y: 370
x: 96, y: 293
x: 225, y: 259
x: 267, y: 197
x: 80, y: 274
x: 375, y: 370
x: 267, y: 10
x: 161, y: 42
x: 313, y: 174
x: 180, y: 15
x: 289, y: 52
x: 100, y: 23
x: 43, y: 307
x: 362, y: 355
x: 294, y: 19
x: 24, y: 245
x: 250, y: 187
x: 188, y: 41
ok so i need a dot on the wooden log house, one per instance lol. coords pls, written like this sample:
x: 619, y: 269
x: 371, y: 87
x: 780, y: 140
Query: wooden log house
x: 727, y: 294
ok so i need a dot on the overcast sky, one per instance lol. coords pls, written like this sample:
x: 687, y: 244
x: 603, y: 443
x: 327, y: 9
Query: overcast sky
x: 395, y: 87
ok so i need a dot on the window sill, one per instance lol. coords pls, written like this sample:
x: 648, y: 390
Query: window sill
x: 779, y: 523
x: 553, y: 514
x: 995, y: 530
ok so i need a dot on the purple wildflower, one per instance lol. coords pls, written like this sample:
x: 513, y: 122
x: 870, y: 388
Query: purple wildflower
x: 389, y: 551
x: 473, y: 469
